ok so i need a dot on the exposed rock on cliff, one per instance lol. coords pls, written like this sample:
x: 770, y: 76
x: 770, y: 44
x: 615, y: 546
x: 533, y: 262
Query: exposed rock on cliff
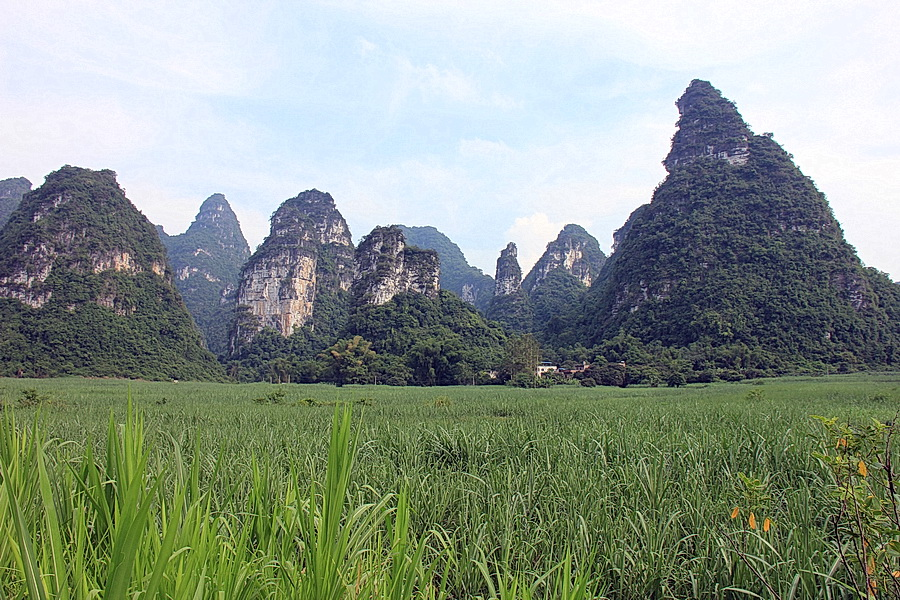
x: 510, y: 305
x: 11, y: 192
x: 509, y: 275
x: 710, y: 127
x: 207, y: 261
x: 386, y: 266
x: 302, y: 272
x: 574, y: 251
x: 86, y: 290
x: 457, y: 275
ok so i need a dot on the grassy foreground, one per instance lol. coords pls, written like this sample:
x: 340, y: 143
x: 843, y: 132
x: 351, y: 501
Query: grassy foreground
x: 261, y: 491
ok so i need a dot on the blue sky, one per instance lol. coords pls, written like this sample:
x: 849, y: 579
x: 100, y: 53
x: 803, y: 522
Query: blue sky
x: 493, y: 121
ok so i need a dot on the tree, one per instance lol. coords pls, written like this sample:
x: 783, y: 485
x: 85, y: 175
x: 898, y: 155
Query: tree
x: 676, y: 379
x: 348, y: 361
x: 522, y: 353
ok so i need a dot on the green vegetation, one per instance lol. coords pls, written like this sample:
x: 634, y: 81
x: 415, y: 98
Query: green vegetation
x: 477, y: 492
x: 414, y: 340
x: 442, y: 342
x: 101, y: 298
x: 456, y: 272
x: 207, y: 260
x: 513, y: 311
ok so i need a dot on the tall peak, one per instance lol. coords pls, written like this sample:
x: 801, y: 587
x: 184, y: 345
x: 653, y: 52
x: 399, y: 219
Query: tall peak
x: 215, y: 213
x: 575, y: 251
x: 207, y: 260
x: 216, y: 202
x: 509, y: 274
x: 295, y: 275
x: 311, y: 216
x: 386, y: 266
x: 709, y: 126
x: 82, y: 267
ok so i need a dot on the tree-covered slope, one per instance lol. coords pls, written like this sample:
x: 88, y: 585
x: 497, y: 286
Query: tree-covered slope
x: 85, y: 288
x: 457, y: 275
x: 11, y: 192
x: 440, y: 341
x: 207, y: 261
x: 738, y: 247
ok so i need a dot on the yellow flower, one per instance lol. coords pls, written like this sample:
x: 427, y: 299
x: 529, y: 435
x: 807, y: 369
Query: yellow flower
x: 767, y: 524
x: 862, y: 469
x: 735, y: 512
x: 752, y: 521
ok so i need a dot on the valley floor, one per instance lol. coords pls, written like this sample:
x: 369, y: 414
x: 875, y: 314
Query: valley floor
x: 279, y: 491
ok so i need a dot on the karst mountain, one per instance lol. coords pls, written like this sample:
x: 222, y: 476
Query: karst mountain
x: 207, y: 261
x: 739, y: 256
x: 735, y: 268
x: 85, y: 288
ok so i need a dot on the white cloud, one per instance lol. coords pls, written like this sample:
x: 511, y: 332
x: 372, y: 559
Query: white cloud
x: 436, y: 84
x: 531, y: 235
x: 365, y: 47
x: 484, y: 149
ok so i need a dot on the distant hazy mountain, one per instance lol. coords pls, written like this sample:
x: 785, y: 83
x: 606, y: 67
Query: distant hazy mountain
x: 207, y: 260
x: 11, y: 192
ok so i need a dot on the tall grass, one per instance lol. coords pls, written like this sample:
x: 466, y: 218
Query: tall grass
x: 450, y: 493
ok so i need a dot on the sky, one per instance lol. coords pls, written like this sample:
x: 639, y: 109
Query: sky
x: 493, y: 121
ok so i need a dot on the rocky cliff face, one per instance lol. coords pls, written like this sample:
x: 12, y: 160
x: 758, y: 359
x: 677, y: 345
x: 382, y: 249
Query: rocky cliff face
x: 457, y: 275
x: 509, y: 274
x: 510, y: 305
x: 86, y: 277
x: 306, y: 259
x: 207, y: 261
x: 574, y: 251
x: 386, y: 266
x: 709, y: 127
x: 11, y: 192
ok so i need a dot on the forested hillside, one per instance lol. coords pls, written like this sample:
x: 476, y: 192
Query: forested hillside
x: 85, y: 288
x: 207, y: 261
x: 738, y: 252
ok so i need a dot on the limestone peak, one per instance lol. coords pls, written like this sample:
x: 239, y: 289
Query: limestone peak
x: 709, y: 126
x: 311, y: 216
x: 386, y: 266
x: 509, y: 273
x: 575, y: 251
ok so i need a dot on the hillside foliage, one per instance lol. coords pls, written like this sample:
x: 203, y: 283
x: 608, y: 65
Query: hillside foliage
x: 456, y: 272
x: 96, y: 320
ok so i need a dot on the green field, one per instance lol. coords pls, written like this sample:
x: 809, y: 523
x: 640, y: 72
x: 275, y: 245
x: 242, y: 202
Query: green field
x: 230, y: 491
